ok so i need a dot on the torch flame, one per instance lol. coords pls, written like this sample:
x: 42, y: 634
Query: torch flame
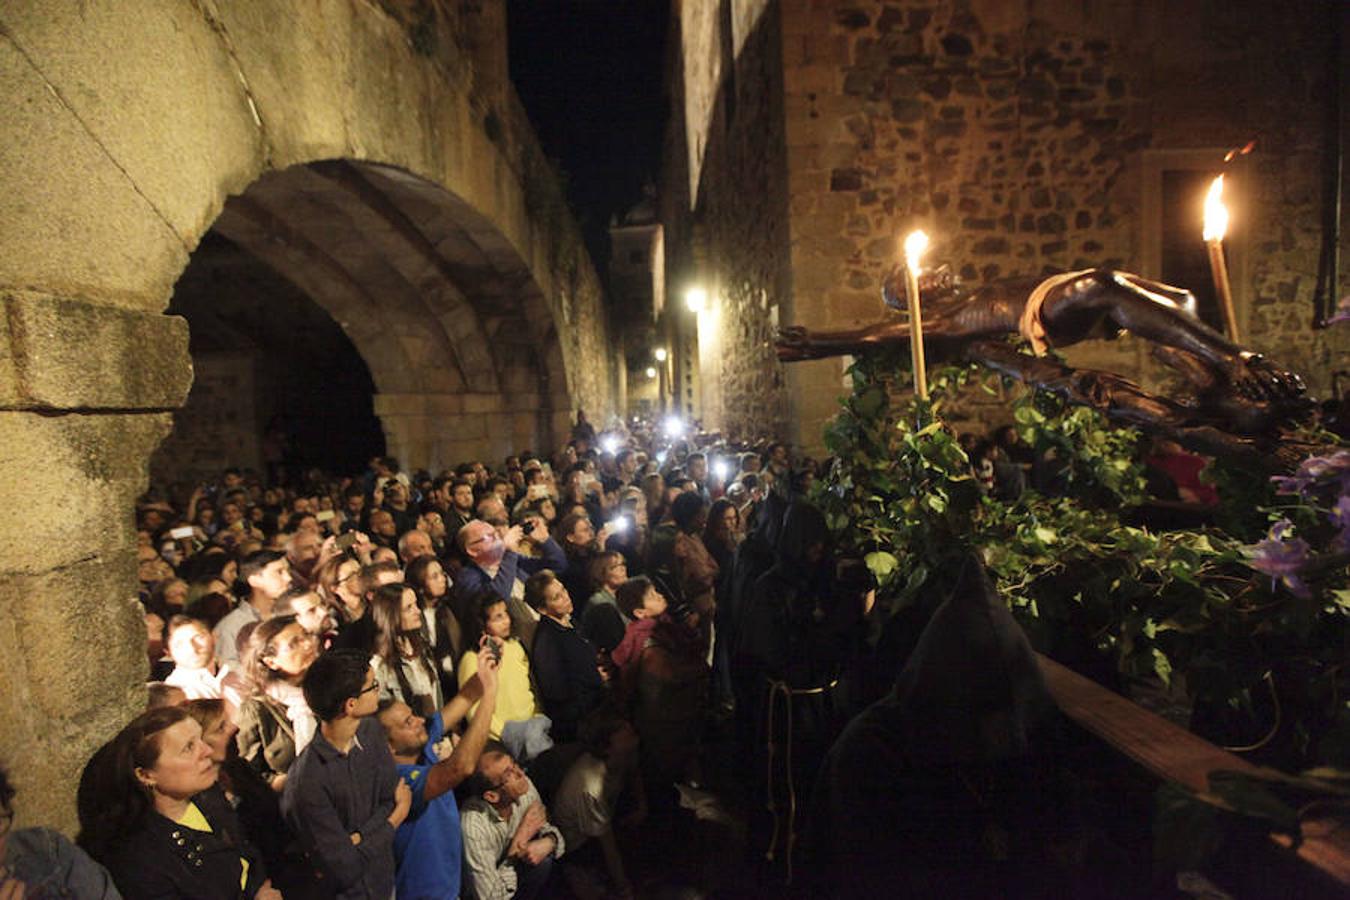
x: 1216, y: 214
x: 915, y: 244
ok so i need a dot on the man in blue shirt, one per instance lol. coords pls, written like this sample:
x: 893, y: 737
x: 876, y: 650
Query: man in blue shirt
x: 429, y: 844
x: 495, y: 562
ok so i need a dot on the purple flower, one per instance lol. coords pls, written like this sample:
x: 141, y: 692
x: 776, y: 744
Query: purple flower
x: 1340, y: 513
x: 1316, y: 470
x: 1340, y: 517
x: 1342, y: 313
x: 1280, y: 558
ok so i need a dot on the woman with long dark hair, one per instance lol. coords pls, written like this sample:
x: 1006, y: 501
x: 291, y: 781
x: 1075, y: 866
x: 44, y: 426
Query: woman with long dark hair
x: 445, y: 632
x: 147, y: 813
x: 275, y: 722
x: 404, y: 663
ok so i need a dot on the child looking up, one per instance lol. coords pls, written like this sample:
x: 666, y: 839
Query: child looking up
x: 518, y: 721
x: 641, y: 602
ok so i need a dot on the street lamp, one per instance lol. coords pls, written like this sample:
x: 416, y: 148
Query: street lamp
x: 660, y: 354
x: 696, y: 299
x: 651, y: 371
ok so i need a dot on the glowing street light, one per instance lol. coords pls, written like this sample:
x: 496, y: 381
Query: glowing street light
x: 651, y: 371
x: 696, y: 299
x: 660, y: 354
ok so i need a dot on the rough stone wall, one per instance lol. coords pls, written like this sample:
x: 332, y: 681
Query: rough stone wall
x: 127, y: 126
x: 735, y: 235
x: 1014, y: 135
x: 218, y: 426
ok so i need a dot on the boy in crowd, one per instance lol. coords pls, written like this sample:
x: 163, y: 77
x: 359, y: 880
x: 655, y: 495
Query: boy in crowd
x: 343, y: 796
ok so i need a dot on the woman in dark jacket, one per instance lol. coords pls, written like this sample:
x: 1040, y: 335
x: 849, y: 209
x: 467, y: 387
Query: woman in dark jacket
x: 148, y: 814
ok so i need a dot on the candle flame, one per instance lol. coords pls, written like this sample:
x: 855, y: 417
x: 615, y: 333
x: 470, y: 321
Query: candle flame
x: 915, y: 244
x: 1216, y: 214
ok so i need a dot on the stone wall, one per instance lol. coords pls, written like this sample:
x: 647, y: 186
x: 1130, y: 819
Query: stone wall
x: 1022, y: 138
x: 126, y: 128
x: 1030, y: 139
x: 731, y: 232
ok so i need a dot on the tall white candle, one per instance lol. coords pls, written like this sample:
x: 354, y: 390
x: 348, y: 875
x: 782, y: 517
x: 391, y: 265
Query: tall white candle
x: 915, y: 244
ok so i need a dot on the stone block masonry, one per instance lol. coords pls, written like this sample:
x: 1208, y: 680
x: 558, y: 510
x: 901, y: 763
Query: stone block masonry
x: 1026, y: 140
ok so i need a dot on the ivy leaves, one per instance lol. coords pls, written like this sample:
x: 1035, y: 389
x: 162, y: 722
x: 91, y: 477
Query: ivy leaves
x: 1184, y: 606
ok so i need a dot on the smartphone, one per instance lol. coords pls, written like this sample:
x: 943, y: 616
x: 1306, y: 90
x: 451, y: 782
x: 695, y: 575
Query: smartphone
x: 345, y: 541
x: 619, y: 524
x: 181, y: 534
x: 537, y: 491
x: 324, y: 515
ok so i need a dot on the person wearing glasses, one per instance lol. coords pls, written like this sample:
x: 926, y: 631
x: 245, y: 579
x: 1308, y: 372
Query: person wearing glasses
x: 343, y: 797
x: 509, y: 844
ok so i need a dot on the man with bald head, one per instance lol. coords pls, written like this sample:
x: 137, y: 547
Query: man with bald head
x: 413, y: 544
x: 495, y: 563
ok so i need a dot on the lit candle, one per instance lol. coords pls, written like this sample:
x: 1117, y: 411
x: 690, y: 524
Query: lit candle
x: 1216, y: 223
x: 915, y: 244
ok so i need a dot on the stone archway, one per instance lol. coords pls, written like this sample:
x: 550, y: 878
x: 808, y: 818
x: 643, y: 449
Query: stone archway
x: 126, y: 132
x: 458, y: 337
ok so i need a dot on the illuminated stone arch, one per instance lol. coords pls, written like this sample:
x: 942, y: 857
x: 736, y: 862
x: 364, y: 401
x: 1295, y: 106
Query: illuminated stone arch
x: 294, y: 129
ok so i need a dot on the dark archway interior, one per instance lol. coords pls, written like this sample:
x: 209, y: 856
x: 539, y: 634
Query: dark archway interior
x: 279, y: 386
x: 341, y: 309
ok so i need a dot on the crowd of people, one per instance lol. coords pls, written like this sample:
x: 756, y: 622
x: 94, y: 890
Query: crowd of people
x: 426, y: 684
x: 478, y: 681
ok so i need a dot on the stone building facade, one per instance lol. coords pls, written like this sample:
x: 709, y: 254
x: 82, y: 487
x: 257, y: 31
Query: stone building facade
x: 372, y: 153
x: 1025, y: 138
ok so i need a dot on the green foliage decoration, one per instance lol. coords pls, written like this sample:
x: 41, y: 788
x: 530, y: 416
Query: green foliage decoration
x: 1194, y: 608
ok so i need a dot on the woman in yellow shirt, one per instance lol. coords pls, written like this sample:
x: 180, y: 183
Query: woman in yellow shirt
x: 518, y: 721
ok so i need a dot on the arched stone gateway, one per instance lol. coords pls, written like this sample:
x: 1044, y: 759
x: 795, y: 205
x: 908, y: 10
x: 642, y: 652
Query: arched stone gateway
x: 385, y: 168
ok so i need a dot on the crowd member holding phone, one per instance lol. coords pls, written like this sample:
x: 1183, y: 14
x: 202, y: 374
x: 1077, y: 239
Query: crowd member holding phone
x: 581, y: 543
x: 518, y: 720
x: 495, y: 563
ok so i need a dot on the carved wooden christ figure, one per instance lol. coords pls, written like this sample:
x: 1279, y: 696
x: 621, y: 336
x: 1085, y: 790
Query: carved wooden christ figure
x: 1238, y: 400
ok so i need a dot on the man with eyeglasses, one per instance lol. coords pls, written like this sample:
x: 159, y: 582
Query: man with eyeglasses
x: 509, y: 844
x: 343, y: 797
x: 495, y: 562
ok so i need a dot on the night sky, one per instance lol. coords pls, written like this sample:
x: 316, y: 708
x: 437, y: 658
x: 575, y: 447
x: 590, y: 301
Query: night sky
x: 590, y: 73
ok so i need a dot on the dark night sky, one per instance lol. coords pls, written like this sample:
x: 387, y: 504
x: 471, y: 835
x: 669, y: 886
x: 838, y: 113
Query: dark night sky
x: 590, y: 75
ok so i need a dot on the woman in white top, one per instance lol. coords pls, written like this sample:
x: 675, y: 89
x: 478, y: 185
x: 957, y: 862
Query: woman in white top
x: 404, y: 664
